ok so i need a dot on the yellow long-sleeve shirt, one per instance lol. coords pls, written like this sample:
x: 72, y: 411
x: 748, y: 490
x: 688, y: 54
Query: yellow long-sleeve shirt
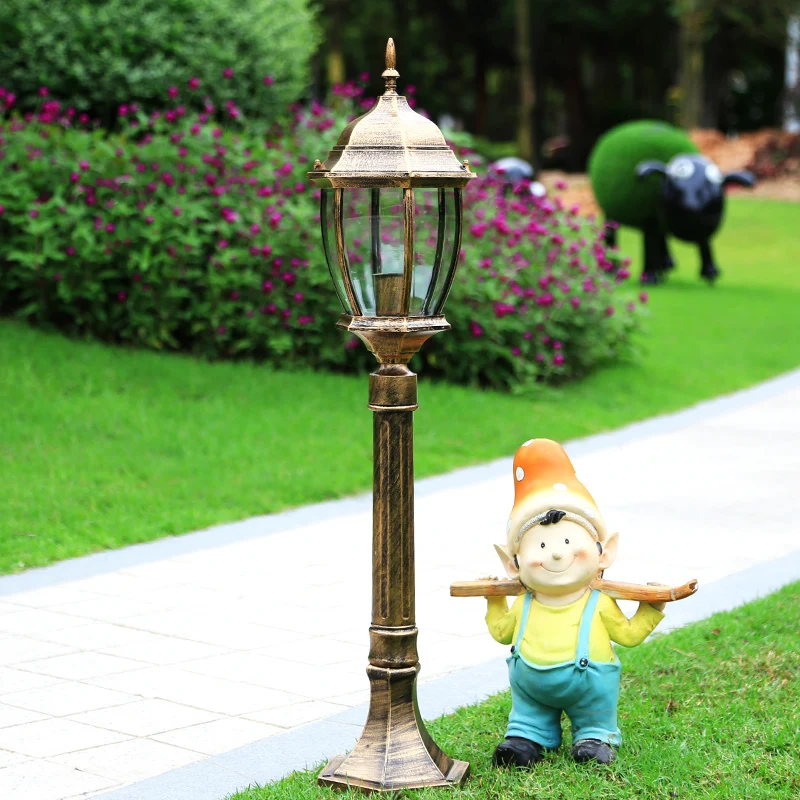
x: 551, y: 635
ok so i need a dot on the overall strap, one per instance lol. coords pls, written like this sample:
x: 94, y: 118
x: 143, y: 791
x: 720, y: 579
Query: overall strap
x: 582, y: 653
x: 523, y: 623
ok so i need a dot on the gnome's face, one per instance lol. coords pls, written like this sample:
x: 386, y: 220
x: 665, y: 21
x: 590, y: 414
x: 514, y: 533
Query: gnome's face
x: 558, y: 559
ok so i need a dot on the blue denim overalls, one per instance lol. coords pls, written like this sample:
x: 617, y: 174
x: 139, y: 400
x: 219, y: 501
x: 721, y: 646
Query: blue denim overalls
x: 588, y: 692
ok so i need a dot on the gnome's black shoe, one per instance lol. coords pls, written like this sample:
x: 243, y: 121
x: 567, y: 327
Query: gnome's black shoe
x: 592, y: 750
x: 517, y: 752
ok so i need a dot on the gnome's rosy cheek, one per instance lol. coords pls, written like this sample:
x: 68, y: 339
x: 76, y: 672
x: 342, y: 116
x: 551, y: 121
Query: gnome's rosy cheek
x: 581, y: 554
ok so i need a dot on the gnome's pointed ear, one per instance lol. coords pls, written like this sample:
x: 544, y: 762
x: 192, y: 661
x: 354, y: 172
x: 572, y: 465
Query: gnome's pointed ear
x: 512, y: 570
x: 609, y: 554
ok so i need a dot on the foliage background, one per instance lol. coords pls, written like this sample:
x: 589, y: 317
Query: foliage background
x: 96, y: 54
x: 181, y: 233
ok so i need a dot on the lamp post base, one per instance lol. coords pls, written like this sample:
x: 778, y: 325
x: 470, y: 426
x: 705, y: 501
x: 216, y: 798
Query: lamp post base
x: 395, y: 750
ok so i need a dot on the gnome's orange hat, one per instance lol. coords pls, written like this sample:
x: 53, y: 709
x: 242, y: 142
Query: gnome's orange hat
x: 545, y: 479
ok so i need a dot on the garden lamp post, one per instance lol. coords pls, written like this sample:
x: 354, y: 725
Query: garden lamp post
x: 391, y: 230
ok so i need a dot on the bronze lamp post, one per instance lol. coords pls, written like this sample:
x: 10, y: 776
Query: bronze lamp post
x: 391, y: 232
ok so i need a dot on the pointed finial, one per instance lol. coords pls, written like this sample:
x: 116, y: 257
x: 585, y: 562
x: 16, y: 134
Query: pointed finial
x: 390, y: 74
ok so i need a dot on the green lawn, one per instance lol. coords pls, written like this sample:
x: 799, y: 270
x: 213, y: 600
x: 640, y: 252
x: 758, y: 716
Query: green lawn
x: 708, y: 711
x: 102, y: 447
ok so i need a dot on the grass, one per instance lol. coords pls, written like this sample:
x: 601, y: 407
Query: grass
x: 708, y: 712
x: 103, y: 447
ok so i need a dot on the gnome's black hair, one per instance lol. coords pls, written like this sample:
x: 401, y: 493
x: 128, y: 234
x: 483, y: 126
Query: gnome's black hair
x: 553, y: 516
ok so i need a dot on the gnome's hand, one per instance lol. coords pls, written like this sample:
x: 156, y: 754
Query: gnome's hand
x: 494, y: 600
x: 657, y: 606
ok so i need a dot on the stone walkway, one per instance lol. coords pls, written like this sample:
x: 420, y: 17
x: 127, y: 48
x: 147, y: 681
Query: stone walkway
x: 119, y: 667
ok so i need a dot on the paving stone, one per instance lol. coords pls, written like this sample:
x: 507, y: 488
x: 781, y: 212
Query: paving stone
x: 48, y: 781
x: 219, y: 736
x: 145, y: 717
x: 52, y: 737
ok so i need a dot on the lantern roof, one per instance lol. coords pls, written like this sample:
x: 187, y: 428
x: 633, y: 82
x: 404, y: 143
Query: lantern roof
x: 391, y: 146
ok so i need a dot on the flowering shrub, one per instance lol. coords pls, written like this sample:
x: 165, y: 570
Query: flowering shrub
x: 97, y: 54
x: 183, y: 233
x: 537, y: 295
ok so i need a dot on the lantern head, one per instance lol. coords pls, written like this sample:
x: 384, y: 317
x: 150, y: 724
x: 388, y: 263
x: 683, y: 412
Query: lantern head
x: 391, y: 215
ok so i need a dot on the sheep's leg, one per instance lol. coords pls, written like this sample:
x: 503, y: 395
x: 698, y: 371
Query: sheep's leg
x: 708, y: 269
x: 610, y: 236
x: 668, y: 262
x: 654, y: 246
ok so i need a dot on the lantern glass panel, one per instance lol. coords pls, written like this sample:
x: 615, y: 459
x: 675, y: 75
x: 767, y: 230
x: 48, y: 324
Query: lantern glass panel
x: 373, y: 241
x: 435, y: 215
x: 329, y: 247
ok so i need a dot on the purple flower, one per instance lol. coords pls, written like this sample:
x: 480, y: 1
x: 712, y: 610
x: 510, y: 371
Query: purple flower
x: 110, y: 227
x: 298, y: 297
x: 558, y: 359
x: 122, y: 297
x: 43, y: 91
x: 609, y: 311
x: 149, y: 220
x: 221, y: 330
x: 516, y: 351
x: 193, y: 83
x: 222, y: 244
x: 268, y: 80
x: 227, y: 72
x: 33, y: 213
x: 234, y: 295
x: 172, y: 91
x: 84, y: 165
x: 644, y: 297
x: 176, y: 212
x: 2, y: 210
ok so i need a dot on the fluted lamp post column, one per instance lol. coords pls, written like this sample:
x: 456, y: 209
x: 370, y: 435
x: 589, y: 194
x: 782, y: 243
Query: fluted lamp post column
x: 391, y: 231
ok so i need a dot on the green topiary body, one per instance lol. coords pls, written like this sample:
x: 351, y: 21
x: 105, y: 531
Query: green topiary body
x: 612, y: 168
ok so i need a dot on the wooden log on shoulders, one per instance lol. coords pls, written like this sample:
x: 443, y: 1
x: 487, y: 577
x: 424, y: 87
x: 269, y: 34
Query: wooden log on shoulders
x: 505, y: 587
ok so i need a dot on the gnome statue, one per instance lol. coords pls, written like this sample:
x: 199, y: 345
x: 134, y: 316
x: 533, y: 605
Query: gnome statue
x: 561, y: 628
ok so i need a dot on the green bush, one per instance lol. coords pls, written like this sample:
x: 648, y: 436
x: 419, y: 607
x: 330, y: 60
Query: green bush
x: 613, y: 161
x: 96, y: 55
x: 181, y: 234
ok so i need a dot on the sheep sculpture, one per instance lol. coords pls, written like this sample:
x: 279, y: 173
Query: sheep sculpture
x: 649, y: 175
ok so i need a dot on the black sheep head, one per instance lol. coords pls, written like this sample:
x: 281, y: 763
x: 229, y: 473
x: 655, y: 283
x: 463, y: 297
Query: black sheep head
x: 692, y: 192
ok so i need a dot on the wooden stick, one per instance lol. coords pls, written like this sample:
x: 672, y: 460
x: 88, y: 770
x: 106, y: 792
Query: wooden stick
x: 494, y: 587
